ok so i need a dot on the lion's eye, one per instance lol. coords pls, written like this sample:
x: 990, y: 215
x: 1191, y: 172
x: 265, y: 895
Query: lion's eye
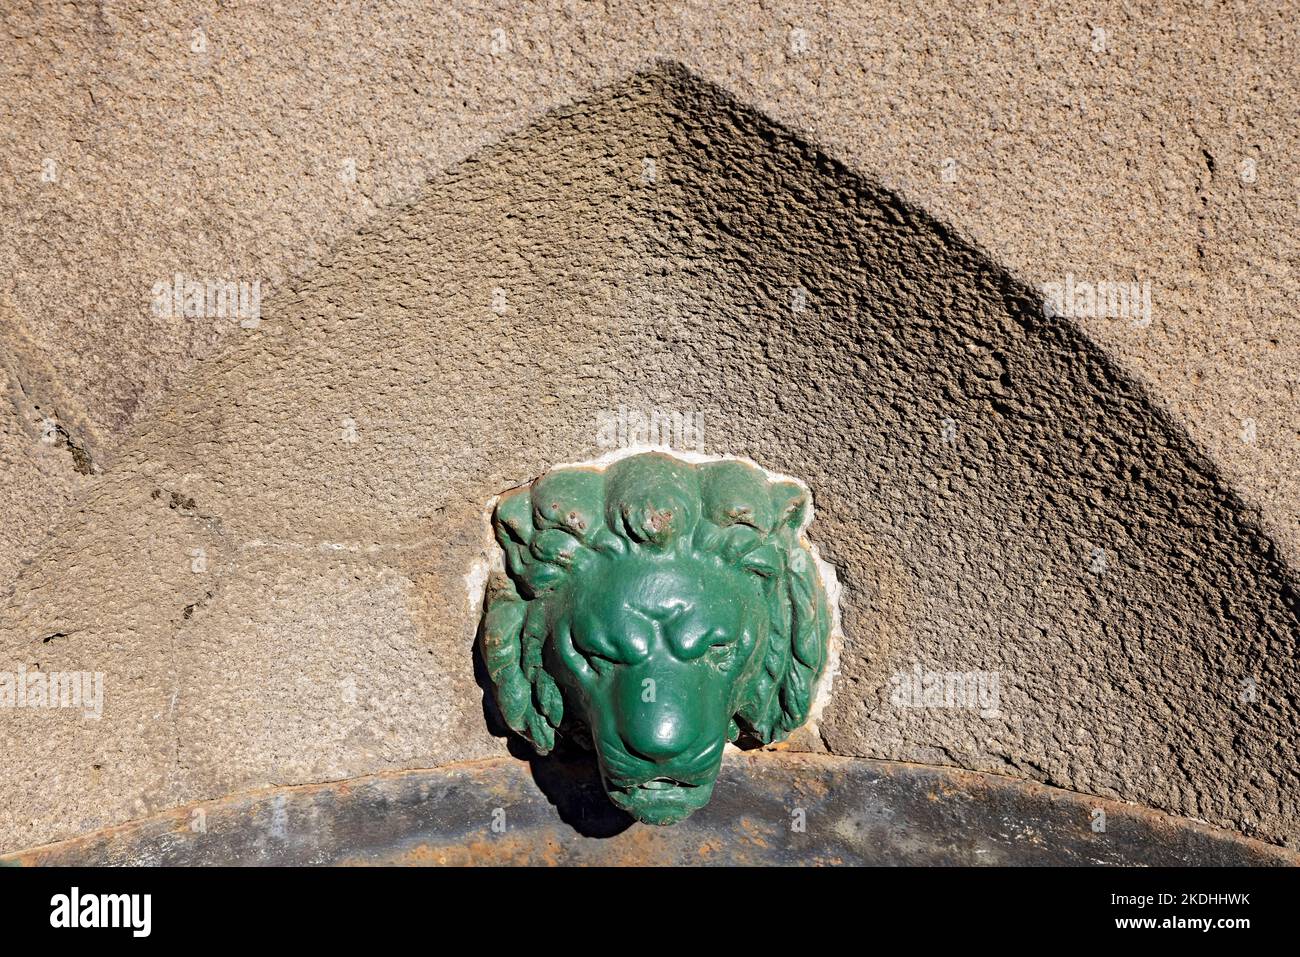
x: 718, y: 638
x: 597, y: 662
x: 722, y: 649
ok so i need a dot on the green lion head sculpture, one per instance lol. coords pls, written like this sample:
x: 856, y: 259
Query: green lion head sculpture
x: 664, y: 607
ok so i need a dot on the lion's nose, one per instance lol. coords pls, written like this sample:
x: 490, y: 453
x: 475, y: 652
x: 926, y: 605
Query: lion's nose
x: 658, y: 736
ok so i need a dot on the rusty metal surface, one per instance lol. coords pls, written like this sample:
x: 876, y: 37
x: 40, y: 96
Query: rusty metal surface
x: 554, y: 812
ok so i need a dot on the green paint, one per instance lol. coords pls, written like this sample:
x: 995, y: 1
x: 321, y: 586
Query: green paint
x: 660, y: 609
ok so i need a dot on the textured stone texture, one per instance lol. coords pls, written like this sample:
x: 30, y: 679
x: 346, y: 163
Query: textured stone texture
x: 45, y: 459
x: 1115, y: 156
x: 273, y: 574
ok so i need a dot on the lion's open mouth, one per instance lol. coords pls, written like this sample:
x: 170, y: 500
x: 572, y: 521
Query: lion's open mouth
x: 663, y: 792
x: 660, y: 800
x: 663, y: 784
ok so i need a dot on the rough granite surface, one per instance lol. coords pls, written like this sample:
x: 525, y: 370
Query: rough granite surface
x: 267, y: 553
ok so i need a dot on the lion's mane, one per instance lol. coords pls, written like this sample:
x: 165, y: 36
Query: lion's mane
x: 550, y: 530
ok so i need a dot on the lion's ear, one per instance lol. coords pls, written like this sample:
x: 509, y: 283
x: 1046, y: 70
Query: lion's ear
x: 736, y: 493
x: 570, y: 499
x: 528, y: 552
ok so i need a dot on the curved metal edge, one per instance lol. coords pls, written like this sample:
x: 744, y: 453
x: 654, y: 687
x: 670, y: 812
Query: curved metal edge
x: 770, y: 807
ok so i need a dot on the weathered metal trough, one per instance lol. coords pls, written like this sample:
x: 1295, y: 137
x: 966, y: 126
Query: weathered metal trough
x: 769, y: 808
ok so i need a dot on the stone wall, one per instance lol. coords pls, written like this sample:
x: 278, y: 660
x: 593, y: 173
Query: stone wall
x: 822, y: 233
